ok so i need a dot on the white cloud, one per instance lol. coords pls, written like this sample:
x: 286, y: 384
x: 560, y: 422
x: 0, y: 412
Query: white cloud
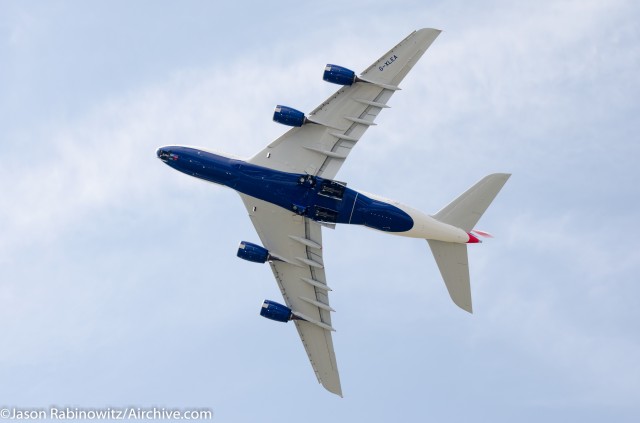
x: 108, y: 157
x: 564, y: 295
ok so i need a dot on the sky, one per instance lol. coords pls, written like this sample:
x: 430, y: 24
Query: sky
x: 119, y: 284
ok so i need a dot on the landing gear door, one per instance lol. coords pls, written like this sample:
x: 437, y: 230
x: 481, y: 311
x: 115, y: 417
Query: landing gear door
x: 323, y: 214
x: 332, y: 189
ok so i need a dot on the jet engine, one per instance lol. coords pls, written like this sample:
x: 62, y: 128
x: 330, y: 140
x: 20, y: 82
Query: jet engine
x: 339, y: 75
x: 275, y: 311
x: 288, y: 116
x: 252, y: 252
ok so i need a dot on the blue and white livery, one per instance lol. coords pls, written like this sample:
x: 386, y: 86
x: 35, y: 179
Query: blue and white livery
x: 290, y: 193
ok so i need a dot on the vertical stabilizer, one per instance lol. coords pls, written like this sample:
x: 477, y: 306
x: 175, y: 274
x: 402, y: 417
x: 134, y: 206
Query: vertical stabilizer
x: 465, y: 211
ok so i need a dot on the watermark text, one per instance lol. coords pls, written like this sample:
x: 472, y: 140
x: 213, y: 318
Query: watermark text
x: 107, y: 413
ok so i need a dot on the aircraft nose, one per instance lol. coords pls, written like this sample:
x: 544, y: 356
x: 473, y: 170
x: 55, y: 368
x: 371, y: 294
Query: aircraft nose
x: 162, y: 154
x: 165, y: 155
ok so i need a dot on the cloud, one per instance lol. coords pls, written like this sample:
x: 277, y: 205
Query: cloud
x: 565, y: 293
x: 108, y: 158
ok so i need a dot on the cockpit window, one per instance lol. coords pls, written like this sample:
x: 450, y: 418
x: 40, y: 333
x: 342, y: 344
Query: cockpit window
x: 167, y: 155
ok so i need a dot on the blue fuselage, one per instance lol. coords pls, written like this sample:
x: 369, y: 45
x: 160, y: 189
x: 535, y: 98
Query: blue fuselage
x: 320, y: 199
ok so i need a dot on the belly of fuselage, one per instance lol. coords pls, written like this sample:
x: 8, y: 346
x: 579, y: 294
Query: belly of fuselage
x: 320, y: 199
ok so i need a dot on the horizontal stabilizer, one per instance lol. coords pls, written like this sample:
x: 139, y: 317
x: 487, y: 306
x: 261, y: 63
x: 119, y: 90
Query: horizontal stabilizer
x: 465, y: 211
x: 454, y: 268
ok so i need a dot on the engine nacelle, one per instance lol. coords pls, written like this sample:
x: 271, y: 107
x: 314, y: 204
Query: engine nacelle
x: 339, y: 75
x: 288, y: 116
x: 275, y: 311
x: 252, y: 252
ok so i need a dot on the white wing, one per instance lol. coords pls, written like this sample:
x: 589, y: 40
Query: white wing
x: 297, y: 243
x: 320, y: 148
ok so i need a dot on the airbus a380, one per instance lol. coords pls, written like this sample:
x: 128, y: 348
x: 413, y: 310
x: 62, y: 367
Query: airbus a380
x: 290, y: 193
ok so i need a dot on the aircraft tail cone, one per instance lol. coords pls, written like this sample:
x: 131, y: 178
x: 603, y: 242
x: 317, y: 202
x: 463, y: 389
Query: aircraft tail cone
x: 473, y: 239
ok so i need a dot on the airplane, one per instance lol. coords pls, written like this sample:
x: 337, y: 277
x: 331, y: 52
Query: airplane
x: 290, y: 193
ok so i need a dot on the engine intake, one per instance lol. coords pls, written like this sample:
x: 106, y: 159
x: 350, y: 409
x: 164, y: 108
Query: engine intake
x: 288, y: 116
x: 339, y: 75
x: 252, y: 252
x: 275, y: 311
